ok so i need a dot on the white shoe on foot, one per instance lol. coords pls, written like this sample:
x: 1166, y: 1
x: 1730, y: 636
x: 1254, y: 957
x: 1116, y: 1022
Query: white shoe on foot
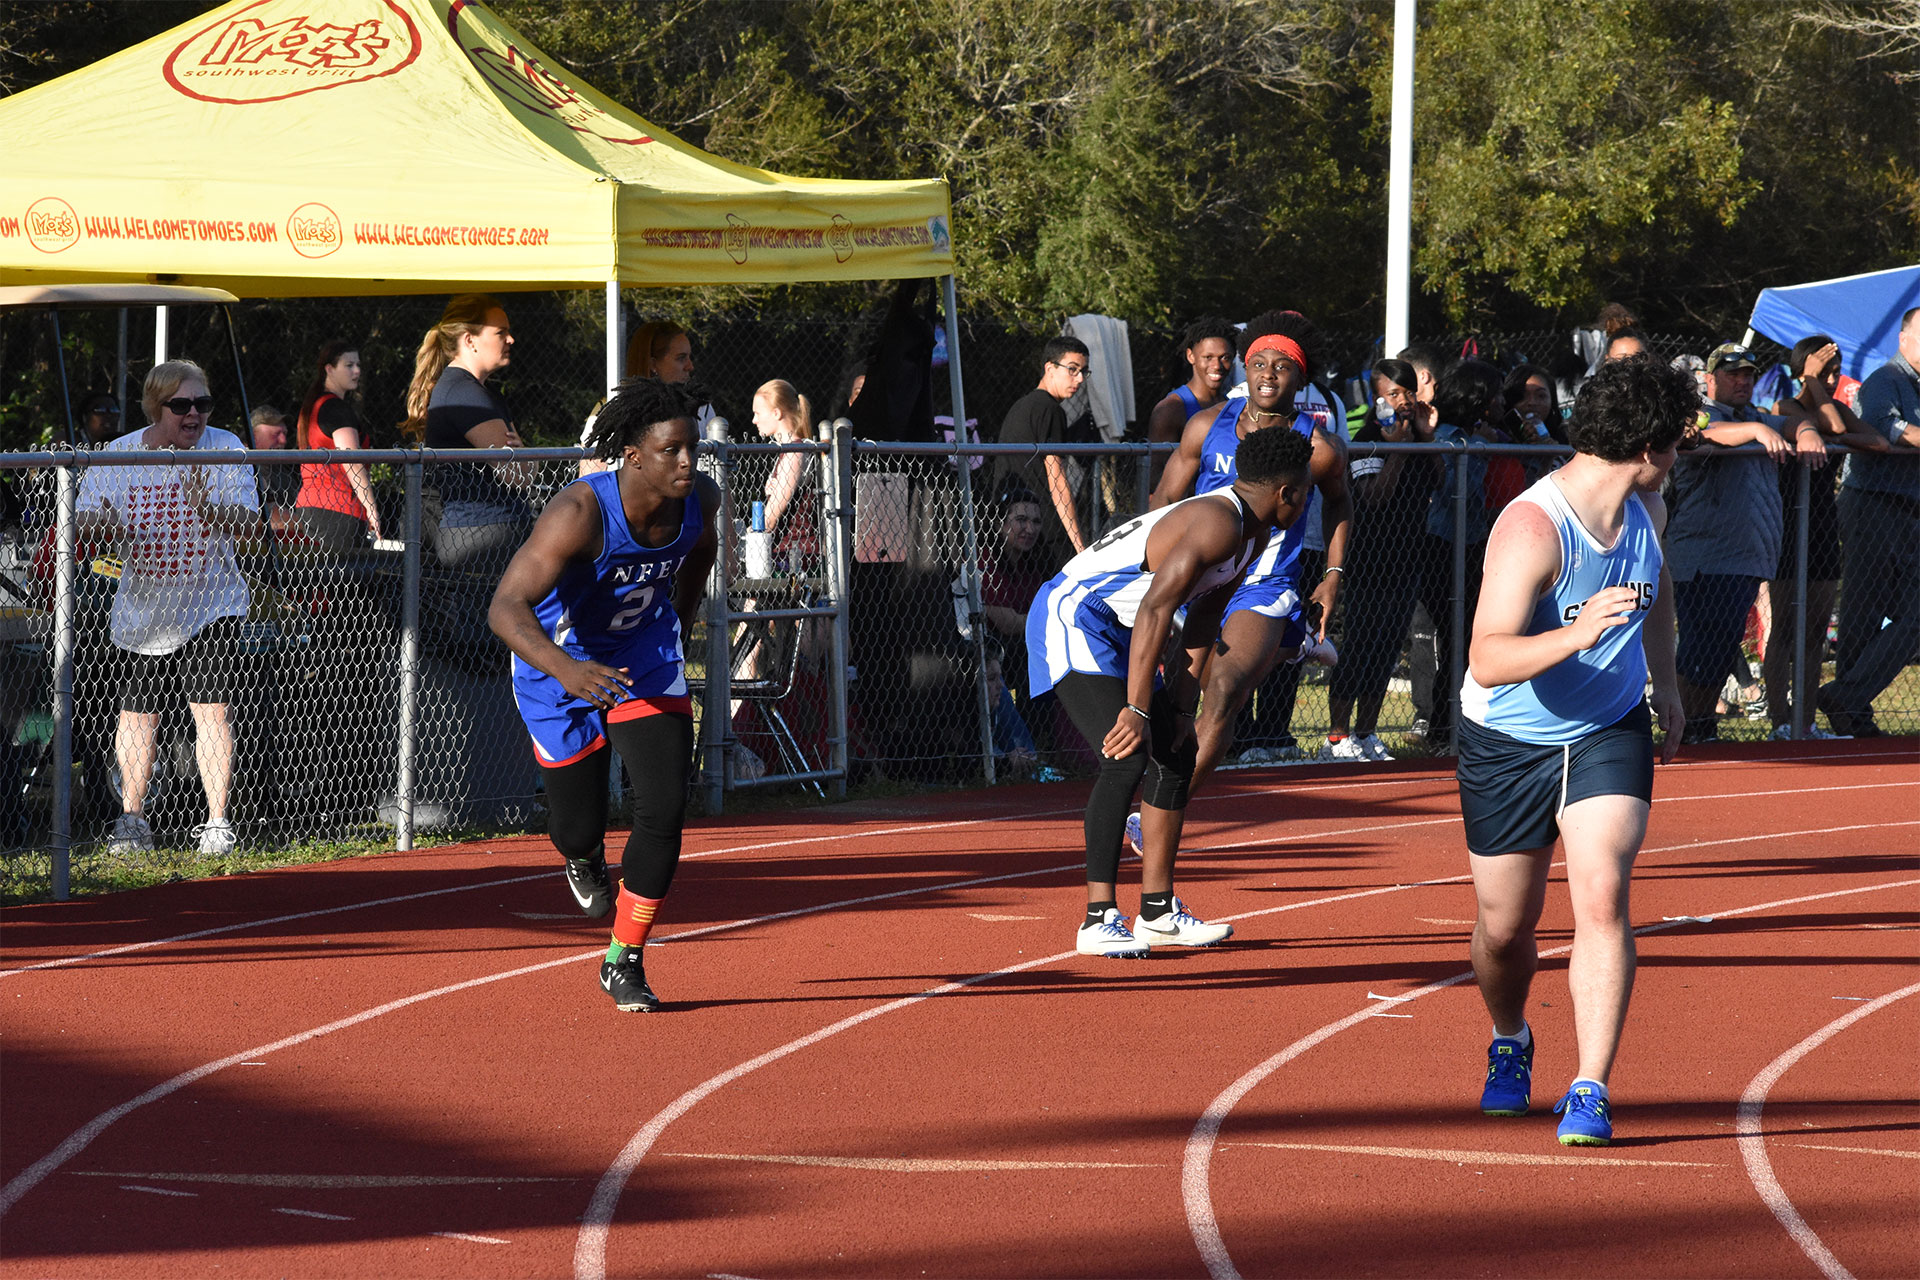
x: 1179, y: 928
x: 216, y: 839
x: 1347, y: 749
x: 1109, y: 938
x: 1374, y: 749
x: 130, y: 834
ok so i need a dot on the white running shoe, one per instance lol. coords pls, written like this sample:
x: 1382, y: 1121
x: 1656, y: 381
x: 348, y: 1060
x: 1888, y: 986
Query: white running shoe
x: 130, y: 834
x: 1347, y: 749
x: 1180, y: 928
x: 1317, y: 651
x: 1814, y: 733
x: 217, y: 839
x: 1374, y: 748
x: 1109, y: 938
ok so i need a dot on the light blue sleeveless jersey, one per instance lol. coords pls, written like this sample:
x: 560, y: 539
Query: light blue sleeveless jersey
x: 1592, y: 689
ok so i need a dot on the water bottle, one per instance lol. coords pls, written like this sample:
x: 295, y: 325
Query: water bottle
x: 1383, y: 411
x: 759, y: 544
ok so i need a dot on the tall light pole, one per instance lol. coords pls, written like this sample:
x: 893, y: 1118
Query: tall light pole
x: 1400, y: 179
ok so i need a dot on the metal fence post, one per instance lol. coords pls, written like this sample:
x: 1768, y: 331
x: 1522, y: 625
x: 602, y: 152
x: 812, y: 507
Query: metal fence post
x: 65, y: 612
x: 1457, y: 654
x: 1803, y: 492
x: 409, y: 664
x: 970, y: 569
x: 837, y: 482
x: 716, y: 715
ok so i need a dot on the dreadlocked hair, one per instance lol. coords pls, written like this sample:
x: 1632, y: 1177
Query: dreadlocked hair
x: 638, y: 406
x: 1289, y: 324
x: 1273, y: 455
x: 1208, y: 327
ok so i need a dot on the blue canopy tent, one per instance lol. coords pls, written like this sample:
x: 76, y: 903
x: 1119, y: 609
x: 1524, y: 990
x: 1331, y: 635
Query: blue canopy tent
x: 1861, y: 313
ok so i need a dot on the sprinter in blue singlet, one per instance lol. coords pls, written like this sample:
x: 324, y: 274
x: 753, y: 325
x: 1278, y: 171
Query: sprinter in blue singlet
x: 1556, y: 739
x: 593, y: 607
x: 1207, y: 347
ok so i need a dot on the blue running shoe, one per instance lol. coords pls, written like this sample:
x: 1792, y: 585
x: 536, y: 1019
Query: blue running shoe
x: 1135, y: 841
x: 1509, y: 1078
x: 1587, y: 1120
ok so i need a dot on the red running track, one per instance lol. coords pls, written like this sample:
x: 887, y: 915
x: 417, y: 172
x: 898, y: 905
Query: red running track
x: 880, y: 1057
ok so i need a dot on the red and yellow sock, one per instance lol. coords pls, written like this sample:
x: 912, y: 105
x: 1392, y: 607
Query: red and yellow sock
x: 632, y: 922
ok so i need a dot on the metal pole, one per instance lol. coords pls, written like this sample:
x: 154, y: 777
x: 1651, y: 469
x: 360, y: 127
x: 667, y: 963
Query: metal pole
x: 60, y: 363
x: 614, y: 344
x: 65, y: 611
x: 1457, y: 656
x: 838, y: 467
x: 1803, y: 487
x: 1400, y: 178
x: 716, y: 715
x: 409, y: 663
x: 1143, y: 479
x: 970, y: 563
x: 159, y: 335
x: 120, y: 368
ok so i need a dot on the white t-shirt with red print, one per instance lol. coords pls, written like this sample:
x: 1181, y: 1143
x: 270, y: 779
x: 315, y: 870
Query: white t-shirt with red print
x: 177, y: 575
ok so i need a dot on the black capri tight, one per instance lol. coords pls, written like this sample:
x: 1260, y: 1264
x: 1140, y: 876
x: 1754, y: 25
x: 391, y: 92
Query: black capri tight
x: 1094, y: 703
x: 657, y: 750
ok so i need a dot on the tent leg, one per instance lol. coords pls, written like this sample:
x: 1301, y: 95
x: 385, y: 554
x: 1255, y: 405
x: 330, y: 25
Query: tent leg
x: 159, y: 335
x: 614, y: 344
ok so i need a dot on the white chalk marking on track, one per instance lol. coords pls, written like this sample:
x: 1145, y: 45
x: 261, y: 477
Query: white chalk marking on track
x: 895, y: 1164
x: 1195, y: 1171
x: 1473, y: 1157
x: 1753, y: 1143
x: 461, y: 1235
x: 1861, y: 1151
x: 160, y: 1191
x: 320, y: 1181
x: 315, y: 1213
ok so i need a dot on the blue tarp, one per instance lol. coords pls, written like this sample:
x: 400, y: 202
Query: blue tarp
x: 1861, y: 313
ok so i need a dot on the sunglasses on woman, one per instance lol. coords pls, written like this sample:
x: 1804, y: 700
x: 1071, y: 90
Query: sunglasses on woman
x: 181, y: 406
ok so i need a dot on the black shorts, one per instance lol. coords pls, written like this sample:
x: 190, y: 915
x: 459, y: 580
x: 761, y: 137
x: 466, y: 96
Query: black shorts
x: 1512, y: 792
x: 206, y: 669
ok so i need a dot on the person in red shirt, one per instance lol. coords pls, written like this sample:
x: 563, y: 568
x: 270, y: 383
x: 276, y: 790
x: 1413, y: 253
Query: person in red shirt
x: 335, y: 502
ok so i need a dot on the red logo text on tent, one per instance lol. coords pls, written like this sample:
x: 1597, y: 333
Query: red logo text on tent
x: 52, y: 225
x: 314, y: 231
x: 277, y: 49
x: 521, y: 78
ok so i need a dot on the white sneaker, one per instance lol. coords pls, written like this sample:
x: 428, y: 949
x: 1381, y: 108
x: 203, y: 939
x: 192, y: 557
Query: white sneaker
x: 1814, y: 733
x: 130, y: 834
x: 216, y: 838
x: 1374, y: 748
x: 1317, y: 651
x: 1346, y: 749
x: 1180, y: 928
x: 1109, y: 938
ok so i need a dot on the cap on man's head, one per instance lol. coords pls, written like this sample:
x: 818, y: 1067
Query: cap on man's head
x: 1731, y: 355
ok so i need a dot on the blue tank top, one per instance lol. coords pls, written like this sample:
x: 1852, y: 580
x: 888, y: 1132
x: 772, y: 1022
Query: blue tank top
x: 1217, y: 471
x: 1594, y: 688
x: 1188, y: 399
x: 618, y: 610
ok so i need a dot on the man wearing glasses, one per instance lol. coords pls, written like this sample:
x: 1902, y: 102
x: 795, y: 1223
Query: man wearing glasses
x: 99, y: 420
x: 180, y: 600
x: 1037, y: 419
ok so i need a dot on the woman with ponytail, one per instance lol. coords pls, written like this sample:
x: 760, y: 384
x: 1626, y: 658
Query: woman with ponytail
x: 450, y: 406
x: 782, y: 416
x: 335, y: 502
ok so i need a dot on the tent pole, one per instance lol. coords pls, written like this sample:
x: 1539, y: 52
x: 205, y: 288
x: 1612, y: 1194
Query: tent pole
x: 614, y: 344
x: 970, y: 568
x: 159, y: 335
x: 120, y: 369
x: 1400, y: 180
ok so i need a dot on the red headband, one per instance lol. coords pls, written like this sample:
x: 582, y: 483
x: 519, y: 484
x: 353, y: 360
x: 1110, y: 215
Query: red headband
x: 1284, y: 345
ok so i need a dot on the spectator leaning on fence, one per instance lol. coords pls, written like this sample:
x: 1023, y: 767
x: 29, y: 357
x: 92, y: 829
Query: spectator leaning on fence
x: 99, y: 420
x: 1880, y: 520
x: 336, y: 500
x: 483, y: 517
x: 1723, y: 532
x: 180, y: 601
x: 1037, y: 419
x: 1813, y: 414
x: 278, y: 486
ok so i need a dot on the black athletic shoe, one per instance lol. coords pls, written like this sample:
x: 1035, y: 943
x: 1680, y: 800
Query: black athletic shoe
x: 626, y: 982
x: 592, y: 890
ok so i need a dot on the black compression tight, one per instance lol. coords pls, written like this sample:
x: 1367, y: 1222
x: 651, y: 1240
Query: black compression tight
x: 657, y: 750
x: 1094, y: 703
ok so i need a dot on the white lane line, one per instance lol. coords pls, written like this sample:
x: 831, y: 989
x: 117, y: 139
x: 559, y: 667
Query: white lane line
x: 1196, y: 1172
x: 319, y: 1181
x: 1753, y: 1143
x: 895, y: 1164
x: 161, y: 1191
x: 78, y: 1141
x: 461, y: 1235
x: 1472, y: 1157
x: 1861, y: 1151
x: 314, y: 1213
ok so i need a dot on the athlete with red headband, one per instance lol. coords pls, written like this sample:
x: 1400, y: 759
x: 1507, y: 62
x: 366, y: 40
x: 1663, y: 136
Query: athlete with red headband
x: 1266, y: 622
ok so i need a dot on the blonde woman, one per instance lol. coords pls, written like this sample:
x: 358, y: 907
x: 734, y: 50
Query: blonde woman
x: 781, y: 416
x: 450, y: 406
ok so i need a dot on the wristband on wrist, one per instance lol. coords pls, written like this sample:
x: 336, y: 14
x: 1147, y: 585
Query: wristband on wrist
x: 1137, y: 711
x: 1334, y: 568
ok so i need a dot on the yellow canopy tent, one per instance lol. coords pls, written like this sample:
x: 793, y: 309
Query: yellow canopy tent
x: 293, y: 148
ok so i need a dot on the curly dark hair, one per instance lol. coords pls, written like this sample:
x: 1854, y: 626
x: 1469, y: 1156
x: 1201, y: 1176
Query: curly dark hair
x: 1461, y: 395
x: 1289, y: 324
x: 1273, y: 455
x: 1631, y: 405
x: 1208, y: 327
x: 638, y: 406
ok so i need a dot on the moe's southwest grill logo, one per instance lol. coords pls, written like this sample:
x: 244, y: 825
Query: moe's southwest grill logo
x: 52, y: 225
x: 276, y: 49
x: 521, y: 78
x: 314, y: 231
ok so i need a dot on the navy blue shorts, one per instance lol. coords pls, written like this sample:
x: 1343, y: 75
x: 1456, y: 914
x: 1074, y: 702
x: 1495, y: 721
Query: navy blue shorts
x: 1512, y: 792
